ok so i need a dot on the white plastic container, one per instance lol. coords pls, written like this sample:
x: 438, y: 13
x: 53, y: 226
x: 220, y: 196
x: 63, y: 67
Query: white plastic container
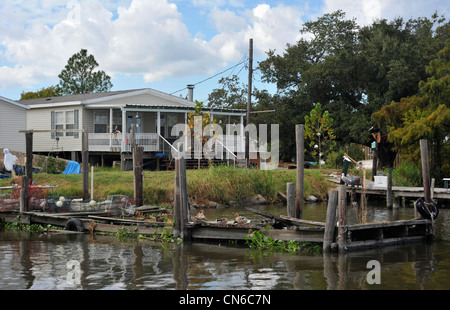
x: 380, y: 181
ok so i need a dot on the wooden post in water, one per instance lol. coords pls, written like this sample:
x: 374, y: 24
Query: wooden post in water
x: 138, y: 154
x: 181, y: 201
x: 425, y: 170
x: 330, y: 224
x: 176, y: 202
x: 290, y: 199
x: 24, y: 195
x: 389, y: 190
x: 85, y: 162
x: 184, y: 201
x: 29, y: 155
x: 299, y: 137
x: 28, y: 179
x: 342, y: 222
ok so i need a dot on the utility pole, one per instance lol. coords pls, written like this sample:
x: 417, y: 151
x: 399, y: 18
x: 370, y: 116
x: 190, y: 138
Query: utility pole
x: 249, y: 98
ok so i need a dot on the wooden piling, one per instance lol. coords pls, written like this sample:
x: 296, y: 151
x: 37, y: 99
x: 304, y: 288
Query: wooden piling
x: 290, y: 199
x: 330, y: 224
x: 299, y: 137
x: 425, y: 170
x: 28, y: 179
x: 138, y: 155
x: 25, y: 196
x: 176, y: 202
x: 342, y: 217
x: 85, y: 162
x: 181, y: 201
x: 184, y: 201
x: 29, y: 155
x: 389, y: 190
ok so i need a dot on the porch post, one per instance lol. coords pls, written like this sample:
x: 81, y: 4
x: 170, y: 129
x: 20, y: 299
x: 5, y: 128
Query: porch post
x: 124, y: 127
x: 158, y: 127
x: 242, y: 135
x: 110, y: 126
x: 186, y: 137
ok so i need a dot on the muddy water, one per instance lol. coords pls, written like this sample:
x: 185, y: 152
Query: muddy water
x: 68, y: 262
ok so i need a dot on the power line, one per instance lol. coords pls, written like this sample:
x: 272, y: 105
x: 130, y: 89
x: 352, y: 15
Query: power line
x: 211, y: 77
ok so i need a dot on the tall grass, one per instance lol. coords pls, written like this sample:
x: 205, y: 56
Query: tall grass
x: 222, y: 184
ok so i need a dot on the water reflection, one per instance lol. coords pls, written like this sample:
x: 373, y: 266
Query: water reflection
x: 40, y: 262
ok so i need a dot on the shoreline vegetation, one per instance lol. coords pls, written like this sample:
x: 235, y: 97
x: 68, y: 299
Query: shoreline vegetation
x: 213, y: 187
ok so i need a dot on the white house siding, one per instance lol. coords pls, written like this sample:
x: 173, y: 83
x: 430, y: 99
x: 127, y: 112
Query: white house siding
x: 40, y: 119
x: 12, y: 119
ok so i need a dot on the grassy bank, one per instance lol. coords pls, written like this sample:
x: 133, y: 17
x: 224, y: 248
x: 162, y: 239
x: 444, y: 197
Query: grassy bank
x: 220, y: 184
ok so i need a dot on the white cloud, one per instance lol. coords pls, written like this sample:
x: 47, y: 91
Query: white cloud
x: 148, y: 38
x: 270, y: 28
x: 368, y: 11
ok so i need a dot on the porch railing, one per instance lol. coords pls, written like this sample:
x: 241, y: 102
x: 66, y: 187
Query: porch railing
x: 103, y: 142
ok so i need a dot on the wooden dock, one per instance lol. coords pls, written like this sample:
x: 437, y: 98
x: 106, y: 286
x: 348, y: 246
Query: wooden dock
x: 355, y: 237
x: 401, y: 191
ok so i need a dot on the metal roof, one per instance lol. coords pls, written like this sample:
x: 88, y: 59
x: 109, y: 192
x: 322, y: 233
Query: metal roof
x: 20, y: 105
x: 80, y: 97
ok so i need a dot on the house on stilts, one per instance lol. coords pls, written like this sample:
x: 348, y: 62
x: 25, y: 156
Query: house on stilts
x: 109, y: 117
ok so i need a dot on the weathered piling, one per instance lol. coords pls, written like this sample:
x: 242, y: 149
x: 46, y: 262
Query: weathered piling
x: 290, y: 193
x: 85, y: 162
x: 299, y: 137
x: 28, y: 179
x: 330, y: 224
x: 389, y: 190
x: 29, y: 155
x: 425, y: 170
x: 181, y: 201
x: 342, y: 219
x: 138, y: 155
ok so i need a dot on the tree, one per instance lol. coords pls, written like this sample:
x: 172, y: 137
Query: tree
x: 52, y: 91
x: 319, y: 133
x: 198, y: 119
x: 232, y: 94
x: 323, y: 68
x: 79, y: 77
x: 353, y: 71
x: 425, y: 115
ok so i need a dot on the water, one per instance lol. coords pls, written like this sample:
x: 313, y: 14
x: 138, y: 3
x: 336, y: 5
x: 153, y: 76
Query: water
x: 46, y: 262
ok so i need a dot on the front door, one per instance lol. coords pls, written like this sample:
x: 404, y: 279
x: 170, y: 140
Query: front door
x: 136, y: 119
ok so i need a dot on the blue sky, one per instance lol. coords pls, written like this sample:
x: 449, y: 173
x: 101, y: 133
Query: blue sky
x: 164, y: 44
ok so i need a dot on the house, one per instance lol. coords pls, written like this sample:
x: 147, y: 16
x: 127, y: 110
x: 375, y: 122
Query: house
x: 13, y: 117
x: 108, y: 118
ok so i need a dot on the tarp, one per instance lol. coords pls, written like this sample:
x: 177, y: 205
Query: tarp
x: 72, y: 168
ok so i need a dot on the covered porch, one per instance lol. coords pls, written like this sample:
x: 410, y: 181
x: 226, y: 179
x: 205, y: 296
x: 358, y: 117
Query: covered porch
x: 110, y: 127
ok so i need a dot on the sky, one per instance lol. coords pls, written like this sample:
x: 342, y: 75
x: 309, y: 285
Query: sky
x: 165, y: 44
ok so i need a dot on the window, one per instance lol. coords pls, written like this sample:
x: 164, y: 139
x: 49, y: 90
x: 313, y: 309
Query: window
x: 59, y: 122
x: 64, y: 120
x: 70, y: 122
x: 162, y: 125
x: 100, y: 121
x: 117, y: 120
x: 171, y: 121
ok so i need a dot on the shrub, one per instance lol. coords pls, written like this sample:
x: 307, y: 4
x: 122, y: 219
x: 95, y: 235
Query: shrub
x: 407, y: 174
